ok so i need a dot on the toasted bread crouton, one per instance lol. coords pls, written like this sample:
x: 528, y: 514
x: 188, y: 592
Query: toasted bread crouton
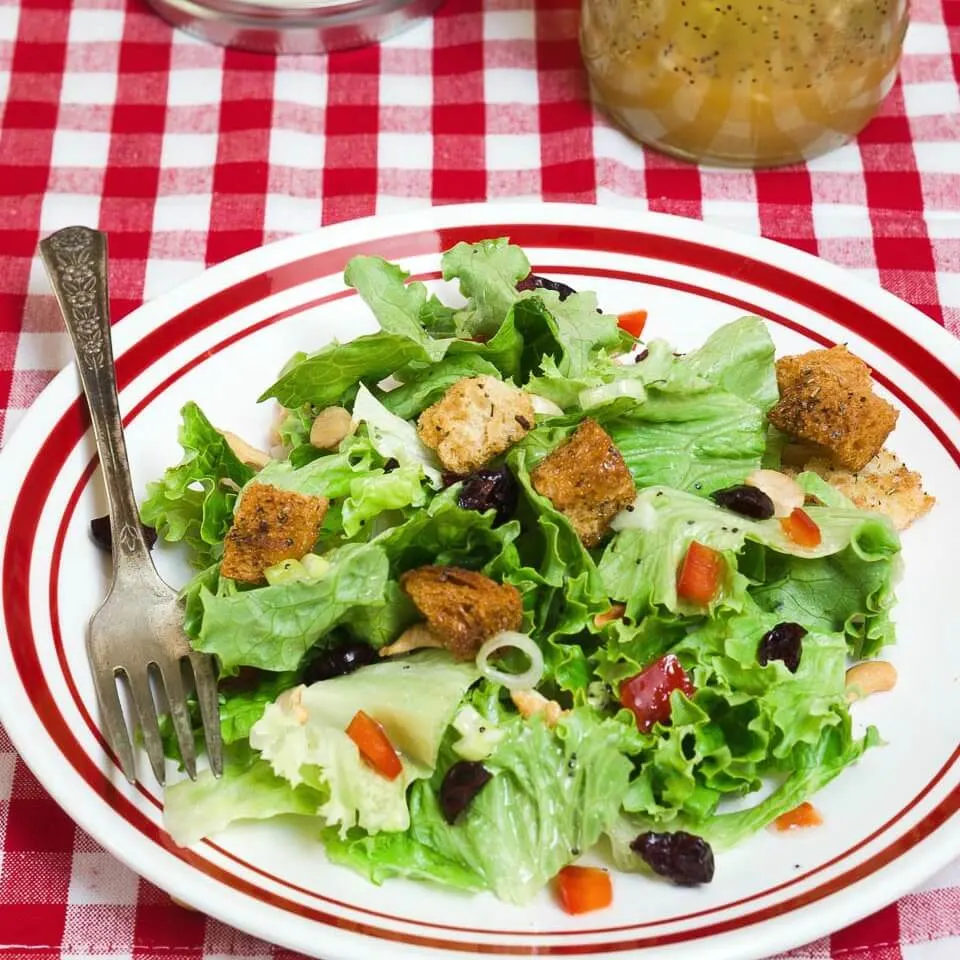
x: 478, y: 418
x: 462, y: 608
x: 587, y: 481
x: 884, y: 486
x: 826, y: 398
x: 270, y: 525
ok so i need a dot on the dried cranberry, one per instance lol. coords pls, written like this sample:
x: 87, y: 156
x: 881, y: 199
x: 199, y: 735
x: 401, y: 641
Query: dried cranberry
x: 746, y: 500
x: 103, y: 535
x: 681, y: 857
x: 783, y: 642
x: 463, y: 781
x: 533, y: 282
x: 491, y: 490
x: 448, y: 478
x: 339, y: 660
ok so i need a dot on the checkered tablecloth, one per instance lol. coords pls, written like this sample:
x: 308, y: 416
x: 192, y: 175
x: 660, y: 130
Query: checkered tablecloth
x: 187, y: 154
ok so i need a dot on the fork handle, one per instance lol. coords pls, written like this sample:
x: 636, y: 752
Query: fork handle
x: 76, y: 261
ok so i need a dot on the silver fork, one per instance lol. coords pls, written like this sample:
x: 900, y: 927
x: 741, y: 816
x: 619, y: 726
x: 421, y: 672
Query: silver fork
x: 138, y: 631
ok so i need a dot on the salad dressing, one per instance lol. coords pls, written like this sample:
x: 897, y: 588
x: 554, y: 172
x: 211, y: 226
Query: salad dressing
x: 741, y: 82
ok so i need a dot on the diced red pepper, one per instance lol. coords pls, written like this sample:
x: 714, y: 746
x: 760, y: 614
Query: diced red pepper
x: 633, y: 322
x: 647, y: 694
x: 700, y: 574
x: 582, y: 889
x: 805, y: 815
x: 801, y: 529
x: 374, y: 745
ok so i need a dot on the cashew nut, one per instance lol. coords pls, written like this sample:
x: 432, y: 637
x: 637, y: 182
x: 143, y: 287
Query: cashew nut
x: 291, y: 701
x: 251, y: 456
x: 615, y: 612
x: 413, y: 638
x: 784, y: 491
x: 330, y: 427
x: 873, y: 676
x: 529, y: 702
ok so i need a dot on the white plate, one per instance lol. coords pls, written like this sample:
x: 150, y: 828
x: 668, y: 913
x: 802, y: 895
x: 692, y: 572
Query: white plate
x: 889, y: 822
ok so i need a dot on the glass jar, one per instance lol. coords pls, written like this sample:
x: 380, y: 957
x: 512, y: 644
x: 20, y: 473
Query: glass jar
x: 742, y: 82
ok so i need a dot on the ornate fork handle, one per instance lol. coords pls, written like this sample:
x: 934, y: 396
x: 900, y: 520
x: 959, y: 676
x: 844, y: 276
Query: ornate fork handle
x: 76, y: 260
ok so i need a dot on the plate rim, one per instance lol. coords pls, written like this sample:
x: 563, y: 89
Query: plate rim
x: 223, y: 276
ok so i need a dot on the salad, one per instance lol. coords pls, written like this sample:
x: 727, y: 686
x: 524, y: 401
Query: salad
x: 511, y: 585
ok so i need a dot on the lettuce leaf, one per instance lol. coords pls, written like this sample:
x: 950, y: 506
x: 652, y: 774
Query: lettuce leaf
x: 551, y: 797
x: 273, y: 627
x: 745, y: 721
x: 247, y: 790
x: 425, y: 385
x: 191, y: 503
x: 639, y: 566
x: 488, y: 273
x: 813, y: 767
x: 328, y: 376
x: 303, y: 736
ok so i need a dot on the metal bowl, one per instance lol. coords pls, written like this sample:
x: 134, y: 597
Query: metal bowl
x: 290, y: 27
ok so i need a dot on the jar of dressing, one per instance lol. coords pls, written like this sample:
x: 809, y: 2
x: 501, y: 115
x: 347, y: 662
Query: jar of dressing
x: 742, y: 82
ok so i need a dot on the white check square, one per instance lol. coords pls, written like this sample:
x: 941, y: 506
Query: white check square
x: 192, y: 88
x: 101, y: 878
x: 9, y: 18
x: 513, y: 151
x: 188, y: 150
x: 509, y: 25
x: 286, y: 215
x: 938, y: 157
x: 308, y: 88
x: 90, y: 26
x: 178, y: 212
x: 80, y: 148
x: 926, y: 38
x: 405, y: 151
x: 507, y: 85
x: 89, y: 88
x: 164, y: 275
x: 65, y: 209
x: 405, y: 90
x: 931, y: 99
x: 295, y: 148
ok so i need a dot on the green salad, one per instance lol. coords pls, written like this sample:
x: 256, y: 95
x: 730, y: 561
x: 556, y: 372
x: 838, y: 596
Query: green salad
x: 511, y: 586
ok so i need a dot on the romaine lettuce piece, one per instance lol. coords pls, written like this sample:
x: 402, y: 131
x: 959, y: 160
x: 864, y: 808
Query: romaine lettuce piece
x: 639, y: 566
x: 191, y: 503
x: 303, y: 735
x: 248, y: 790
x: 273, y: 627
x: 488, y: 273
x: 551, y: 797
x: 425, y: 385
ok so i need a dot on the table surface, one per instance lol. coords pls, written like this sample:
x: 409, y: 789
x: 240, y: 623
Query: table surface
x: 187, y: 154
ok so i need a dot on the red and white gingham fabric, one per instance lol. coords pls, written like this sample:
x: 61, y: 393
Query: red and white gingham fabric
x: 187, y: 154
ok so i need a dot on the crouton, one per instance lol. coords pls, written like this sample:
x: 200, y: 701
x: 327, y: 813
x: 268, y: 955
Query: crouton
x: 270, y: 525
x: 826, y: 398
x: 587, y: 481
x: 477, y: 419
x: 884, y: 486
x: 462, y: 608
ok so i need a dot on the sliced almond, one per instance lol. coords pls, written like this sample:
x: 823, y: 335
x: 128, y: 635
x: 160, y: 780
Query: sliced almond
x: 251, y: 456
x: 330, y: 427
x: 873, y: 676
x: 784, y: 491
